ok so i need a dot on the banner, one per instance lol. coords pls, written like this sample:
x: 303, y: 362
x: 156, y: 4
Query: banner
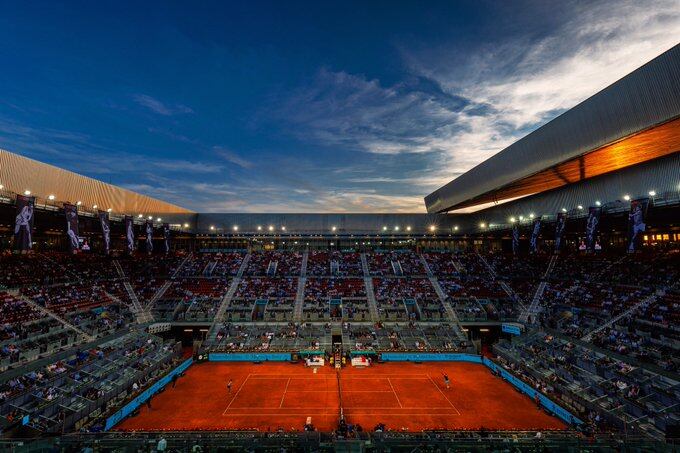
x: 515, y: 239
x: 636, y: 223
x: 559, y: 230
x: 148, y: 228
x: 592, y: 227
x: 166, y: 237
x: 106, y: 230
x: 71, y: 214
x: 130, y: 233
x: 534, y: 235
x: 23, y: 224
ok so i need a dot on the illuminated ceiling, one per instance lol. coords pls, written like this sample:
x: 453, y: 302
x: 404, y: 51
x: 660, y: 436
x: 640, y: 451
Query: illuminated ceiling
x: 634, y: 149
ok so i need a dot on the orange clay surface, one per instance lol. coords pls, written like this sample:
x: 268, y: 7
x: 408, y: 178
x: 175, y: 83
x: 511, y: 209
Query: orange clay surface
x: 401, y: 395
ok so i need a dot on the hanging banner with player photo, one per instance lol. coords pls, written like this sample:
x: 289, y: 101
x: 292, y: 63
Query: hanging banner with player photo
x: 23, y: 224
x: 559, y: 230
x: 106, y: 230
x: 592, y: 227
x: 515, y: 239
x: 636, y: 223
x: 71, y: 214
x: 166, y: 237
x: 129, y: 234
x: 148, y: 228
x: 535, y: 232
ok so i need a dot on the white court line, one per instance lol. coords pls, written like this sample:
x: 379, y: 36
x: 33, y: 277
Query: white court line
x: 395, y: 393
x: 343, y: 391
x: 367, y: 391
x: 440, y: 391
x: 298, y: 377
x: 236, y: 394
x: 264, y: 410
x: 307, y: 412
x: 347, y: 412
x: 284, y: 393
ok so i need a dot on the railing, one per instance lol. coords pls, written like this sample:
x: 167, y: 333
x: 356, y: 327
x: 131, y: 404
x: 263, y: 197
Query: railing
x: 330, y: 442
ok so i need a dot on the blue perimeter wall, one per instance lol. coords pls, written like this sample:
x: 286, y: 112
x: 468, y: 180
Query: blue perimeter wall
x: 520, y: 385
x: 249, y: 357
x: 145, y: 395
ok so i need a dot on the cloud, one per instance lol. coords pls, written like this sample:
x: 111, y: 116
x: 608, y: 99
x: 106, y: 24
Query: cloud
x: 460, y: 105
x: 324, y: 201
x: 159, y: 107
x: 342, y: 109
x: 83, y: 154
x: 267, y: 192
x: 232, y: 157
x: 523, y: 83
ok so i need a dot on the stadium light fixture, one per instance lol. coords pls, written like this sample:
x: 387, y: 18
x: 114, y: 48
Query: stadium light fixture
x: 482, y: 225
x: 109, y: 210
x: 333, y: 228
x: 283, y: 228
x: 235, y: 228
x: 408, y: 228
x: 186, y: 225
x: 433, y: 228
x: 78, y: 203
x: 27, y: 192
x: 531, y: 216
x: 512, y: 220
x: 626, y: 197
x: 564, y: 209
x: 212, y: 228
x: 271, y: 228
x: 455, y: 228
x: 580, y: 207
x: 1, y: 187
x: 150, y: 217
x: 384, y: 228
x: 521, y: 218
x: 94, y: 206
x: 259, y: 228
x: 159, y: 219
x: 51, y: 197
x: 652, y: 193
x: 598, y: 203
x: 396, y: 228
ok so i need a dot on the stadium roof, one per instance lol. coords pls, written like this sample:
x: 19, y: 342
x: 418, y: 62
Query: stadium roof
x: 634, y: 120
x: 18, y: 174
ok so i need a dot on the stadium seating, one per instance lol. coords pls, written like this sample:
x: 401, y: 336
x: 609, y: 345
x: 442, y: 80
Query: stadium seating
x: 81, y: 386
x: 605, y: 343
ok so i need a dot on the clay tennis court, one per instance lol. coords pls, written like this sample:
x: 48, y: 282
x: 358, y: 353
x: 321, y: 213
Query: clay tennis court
x: 281, y: 396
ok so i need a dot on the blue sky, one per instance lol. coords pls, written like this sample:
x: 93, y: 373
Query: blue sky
x: 303, y: 106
